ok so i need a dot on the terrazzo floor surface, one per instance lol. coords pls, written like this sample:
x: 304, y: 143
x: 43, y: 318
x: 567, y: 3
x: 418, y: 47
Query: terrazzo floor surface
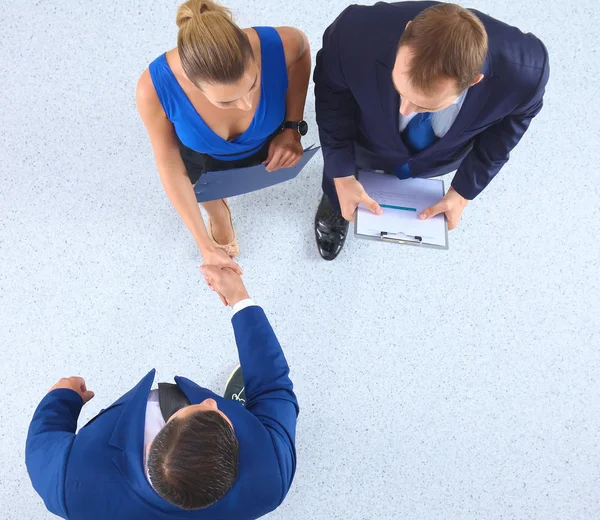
x: 458, y: 384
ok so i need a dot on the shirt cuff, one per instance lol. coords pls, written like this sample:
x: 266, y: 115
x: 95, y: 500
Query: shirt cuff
x: 242, y: 304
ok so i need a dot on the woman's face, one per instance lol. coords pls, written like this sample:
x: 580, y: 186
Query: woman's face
x: 238, y: 95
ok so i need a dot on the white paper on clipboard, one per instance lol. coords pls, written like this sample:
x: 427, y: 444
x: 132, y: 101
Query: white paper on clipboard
x: 402, y: 201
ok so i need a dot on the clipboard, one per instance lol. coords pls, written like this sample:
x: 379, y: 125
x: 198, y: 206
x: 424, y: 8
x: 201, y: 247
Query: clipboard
x: 401, y: 201
x: 230, y: 183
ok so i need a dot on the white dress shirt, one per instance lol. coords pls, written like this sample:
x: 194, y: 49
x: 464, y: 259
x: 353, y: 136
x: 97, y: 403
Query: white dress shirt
x: 440, y: 121
x: 154, y: 419
x: 154, y: 423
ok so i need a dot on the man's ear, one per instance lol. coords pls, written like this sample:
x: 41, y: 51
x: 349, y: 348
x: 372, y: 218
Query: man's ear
x: 408, y: 23
x: 477, y: 79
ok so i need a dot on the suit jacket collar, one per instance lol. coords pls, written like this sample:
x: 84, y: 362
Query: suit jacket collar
x: 128, y: 429
x: 128, y: 437
x: 388, y: 96
x: 128, y: 432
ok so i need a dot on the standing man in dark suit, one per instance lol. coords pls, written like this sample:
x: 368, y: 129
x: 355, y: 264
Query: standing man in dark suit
x: 179, y: 452
x: 419, y: 89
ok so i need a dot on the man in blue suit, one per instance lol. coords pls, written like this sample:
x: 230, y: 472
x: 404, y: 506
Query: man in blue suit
x: 419, y: 89
x: 179, y: 452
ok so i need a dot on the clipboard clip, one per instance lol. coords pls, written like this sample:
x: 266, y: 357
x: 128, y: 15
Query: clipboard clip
x: 393, y: 237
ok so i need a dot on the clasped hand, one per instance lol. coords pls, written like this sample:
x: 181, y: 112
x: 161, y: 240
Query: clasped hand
x: 226, y: 283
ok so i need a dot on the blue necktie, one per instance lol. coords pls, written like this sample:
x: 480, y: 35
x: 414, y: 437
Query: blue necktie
x: 417, y: 135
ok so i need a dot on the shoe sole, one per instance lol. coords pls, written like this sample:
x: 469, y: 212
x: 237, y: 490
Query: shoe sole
x: 231, y: 375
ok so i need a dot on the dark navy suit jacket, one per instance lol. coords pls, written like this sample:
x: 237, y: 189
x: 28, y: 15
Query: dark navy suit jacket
x: 358, y: 107
x: 98, y: 474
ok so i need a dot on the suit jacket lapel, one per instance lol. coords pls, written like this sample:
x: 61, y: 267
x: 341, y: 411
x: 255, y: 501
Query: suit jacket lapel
x: 388, y: 96
x: 128, y: 433
x: 128, y: 437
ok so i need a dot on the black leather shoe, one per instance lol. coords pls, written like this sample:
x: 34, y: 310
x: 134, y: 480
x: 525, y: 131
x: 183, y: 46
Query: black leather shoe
x: 331, y: 230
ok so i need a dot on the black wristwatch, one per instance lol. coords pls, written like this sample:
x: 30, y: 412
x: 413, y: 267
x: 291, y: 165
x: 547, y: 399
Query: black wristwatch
x: 300, y: 126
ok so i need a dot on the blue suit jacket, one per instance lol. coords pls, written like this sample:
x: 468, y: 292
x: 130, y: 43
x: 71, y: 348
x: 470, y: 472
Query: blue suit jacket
x: 357, y: 105
x: 98, y: 474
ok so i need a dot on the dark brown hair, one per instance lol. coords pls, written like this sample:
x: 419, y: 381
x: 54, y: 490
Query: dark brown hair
x: 193, y: 461
x: 212, y: 48
x: 446, y: 41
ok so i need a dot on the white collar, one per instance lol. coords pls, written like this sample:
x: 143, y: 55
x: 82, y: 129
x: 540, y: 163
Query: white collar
x: 461, y: 98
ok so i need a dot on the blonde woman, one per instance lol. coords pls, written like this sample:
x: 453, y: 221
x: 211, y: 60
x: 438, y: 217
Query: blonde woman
x: 224, y: 98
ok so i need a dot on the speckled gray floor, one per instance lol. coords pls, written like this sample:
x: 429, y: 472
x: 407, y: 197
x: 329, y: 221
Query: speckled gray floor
x: 433, y: 385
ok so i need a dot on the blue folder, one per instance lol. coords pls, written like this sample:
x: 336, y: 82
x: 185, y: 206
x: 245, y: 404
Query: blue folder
x: 229, y: 183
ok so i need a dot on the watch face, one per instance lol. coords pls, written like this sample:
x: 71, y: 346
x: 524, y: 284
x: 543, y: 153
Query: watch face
x: 303, y: 127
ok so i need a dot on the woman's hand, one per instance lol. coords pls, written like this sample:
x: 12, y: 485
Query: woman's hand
x: 284, y: 151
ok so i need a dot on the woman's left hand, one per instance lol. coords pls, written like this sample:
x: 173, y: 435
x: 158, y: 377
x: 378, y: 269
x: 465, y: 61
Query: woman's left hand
x: 284, y: 151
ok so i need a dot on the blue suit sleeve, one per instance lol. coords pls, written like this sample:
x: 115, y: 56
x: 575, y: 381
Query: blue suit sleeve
x: 269, y: 391
x: 49, y: 440
x: 335, y: 105
x: 491, y: 149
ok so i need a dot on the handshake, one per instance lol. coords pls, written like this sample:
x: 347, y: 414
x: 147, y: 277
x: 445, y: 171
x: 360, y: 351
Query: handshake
x: 226, y: 283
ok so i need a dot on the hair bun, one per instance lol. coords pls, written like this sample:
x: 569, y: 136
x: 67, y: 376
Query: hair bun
x: 194, y: 8
x: 184, y: 14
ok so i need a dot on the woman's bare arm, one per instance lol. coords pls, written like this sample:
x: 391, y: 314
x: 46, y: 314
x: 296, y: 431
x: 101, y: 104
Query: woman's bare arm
x: 171, y: 169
